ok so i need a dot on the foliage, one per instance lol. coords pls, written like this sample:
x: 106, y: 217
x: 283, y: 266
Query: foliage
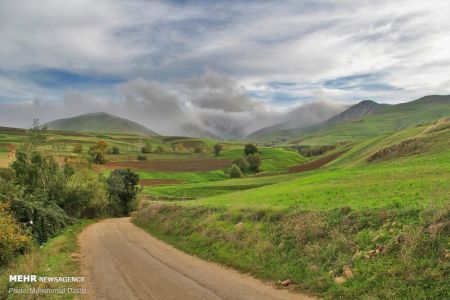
x: 115, y: 150
x: 235, y: 172
x: 122, y: 188
x: 78, y: 148
x: 159, y: 149
x: 242, y: 163
x: 141, y: 157
x: 37, y: 133
x: 13, y: 238
x: 254, y: 161
x: 147, y: 148
x: 217, y: 149
x: 98, y: 151
x: 250, y: 149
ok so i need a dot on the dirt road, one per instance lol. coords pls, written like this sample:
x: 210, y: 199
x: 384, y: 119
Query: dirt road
x: 121, y: 261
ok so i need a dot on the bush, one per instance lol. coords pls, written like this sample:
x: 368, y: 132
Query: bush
x: 217, y: 149
x: 147, y: 148
x: 98, y: 151
x: 78, y: 148
x: 250, y: 149
x: 141, y: 157
x: 254, y: 161
x: 159, y: 149
x: 13, y: 238
x: 242, y: 163
x: 235, y: 172
x: 115, y: 150
x: 122, y: 188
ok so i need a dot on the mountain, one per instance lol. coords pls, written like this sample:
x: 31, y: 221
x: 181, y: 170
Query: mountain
x: 369, y: 118
x: 301, y: 117
x: 100, y: 122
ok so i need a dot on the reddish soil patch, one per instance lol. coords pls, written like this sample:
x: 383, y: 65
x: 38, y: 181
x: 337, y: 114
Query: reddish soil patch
x: 150, y: 182
x: 315, y: 164
x: 173, y: 165
x: 10, y: 147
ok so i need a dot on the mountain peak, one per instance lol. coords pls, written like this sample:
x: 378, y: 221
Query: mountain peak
x: 99, y: 122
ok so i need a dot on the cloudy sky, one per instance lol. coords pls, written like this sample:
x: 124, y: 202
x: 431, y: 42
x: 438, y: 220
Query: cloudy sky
x: 227, y: 67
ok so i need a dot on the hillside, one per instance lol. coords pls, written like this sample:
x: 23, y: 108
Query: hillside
x: 301, y: 117
x: 100, y: 122
x: 368, y: 119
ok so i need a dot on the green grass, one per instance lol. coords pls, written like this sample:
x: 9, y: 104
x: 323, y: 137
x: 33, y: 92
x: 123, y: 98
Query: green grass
x: 52, y: 259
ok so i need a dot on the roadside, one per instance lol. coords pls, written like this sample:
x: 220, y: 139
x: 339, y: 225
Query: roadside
x: 122, y: 261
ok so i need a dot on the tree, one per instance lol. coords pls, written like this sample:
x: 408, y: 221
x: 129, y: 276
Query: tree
x: 242, y: 163
x: 250, y: 149
x: 115, y: 150
x: 217, y: 149
x: 37, y: 133
x: 235, y: 172
x: 141, y: 157
x: 122, y: 188
x: 159, y: 149
x: 254, y: 161
x: 98, y: 151
x: 147, y: 148
x: 78, y: 148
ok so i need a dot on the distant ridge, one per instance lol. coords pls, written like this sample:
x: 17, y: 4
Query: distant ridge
x: 100, y: 122
x: 356, y: 112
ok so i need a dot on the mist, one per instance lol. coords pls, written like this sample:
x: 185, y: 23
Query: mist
x: 211, y: 105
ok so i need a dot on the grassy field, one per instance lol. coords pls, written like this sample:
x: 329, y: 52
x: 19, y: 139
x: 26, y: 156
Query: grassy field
x: 372, y: 224
x: 54, y: 258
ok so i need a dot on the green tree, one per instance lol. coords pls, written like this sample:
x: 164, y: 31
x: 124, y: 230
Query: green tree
x: 160, y: 149
x: 122, y: 189
x: 115, y: 150
x: 147, y: 148
x: 242, y: 163
x: 254, y: 161
x: 217, y: 149
x: 235, y: 172
x: 97, y: 152
x: 250, y: 149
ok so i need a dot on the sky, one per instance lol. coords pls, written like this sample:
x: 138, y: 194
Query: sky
x: 223, y: 67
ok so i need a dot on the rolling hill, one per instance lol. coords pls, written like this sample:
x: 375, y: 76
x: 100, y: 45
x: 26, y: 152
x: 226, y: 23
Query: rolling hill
x: 100, y: 122
x: 368, y: 118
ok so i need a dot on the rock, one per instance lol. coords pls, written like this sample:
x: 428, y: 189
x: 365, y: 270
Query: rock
x: 347, y: 272
x: 340, y: 279
x: 286, y: 282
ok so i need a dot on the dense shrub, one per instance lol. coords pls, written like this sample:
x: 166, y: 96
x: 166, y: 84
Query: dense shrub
x: 13, y: 237
x: 242, y: 163
x: 115, y: 150
x: 160, y: 149
x: 147, y: 148
x: 141, y: 157
x: 235, y: 172
x: 217, y: 149
x: 122, y: 188
x: 98, y: 151
x: 250, y: 149
x: 254, y: 161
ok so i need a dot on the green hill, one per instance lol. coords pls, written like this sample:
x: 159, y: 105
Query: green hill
x: 100, y: 122
x: 368, y: 119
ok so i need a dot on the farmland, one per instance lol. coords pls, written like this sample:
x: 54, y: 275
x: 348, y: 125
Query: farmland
x: 369, y: 207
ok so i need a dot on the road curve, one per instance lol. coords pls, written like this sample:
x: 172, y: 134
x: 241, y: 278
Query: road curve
x: 121, y: 261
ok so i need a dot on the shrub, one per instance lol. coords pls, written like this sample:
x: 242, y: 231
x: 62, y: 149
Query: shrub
x: 122, y: 188
x: 250, y: 149
x: 78, y: 148
x: 13, y: 238
x: 254, y: 161
x: 217, y: 149
x: 198, y: 150
x: 141, y: 157
x: 98, y: 151
x: 147, y: 148
x: 115, y: 150
x: 159, y: 149
x: 235, y: 172
x: 242, y: 163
